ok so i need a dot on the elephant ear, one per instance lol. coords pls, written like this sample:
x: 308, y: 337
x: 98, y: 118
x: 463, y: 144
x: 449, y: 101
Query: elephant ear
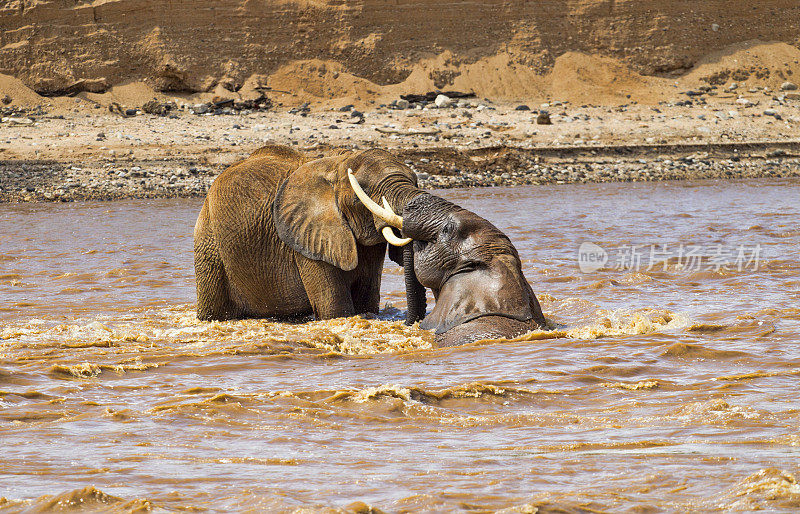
x: 308, y: 219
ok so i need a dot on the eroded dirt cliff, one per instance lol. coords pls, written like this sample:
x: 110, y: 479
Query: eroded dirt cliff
x: 65, y: 46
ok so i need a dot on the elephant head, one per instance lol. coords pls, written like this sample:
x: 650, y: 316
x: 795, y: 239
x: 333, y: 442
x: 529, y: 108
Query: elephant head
x: 317, y: 213
x: 473, y: 270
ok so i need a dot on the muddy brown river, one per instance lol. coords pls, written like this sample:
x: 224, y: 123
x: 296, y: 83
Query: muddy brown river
x: 668, y: 381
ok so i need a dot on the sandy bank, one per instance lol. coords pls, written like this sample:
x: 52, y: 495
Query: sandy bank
x: 87, y: 152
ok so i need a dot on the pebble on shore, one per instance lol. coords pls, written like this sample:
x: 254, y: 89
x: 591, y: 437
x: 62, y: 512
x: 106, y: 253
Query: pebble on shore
x: 178, y: 178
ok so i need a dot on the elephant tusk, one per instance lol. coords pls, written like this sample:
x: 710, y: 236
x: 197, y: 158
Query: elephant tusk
x: 387, y: 206
x: 388, y: 216
x: 393, y: 239
x: 387, y: 231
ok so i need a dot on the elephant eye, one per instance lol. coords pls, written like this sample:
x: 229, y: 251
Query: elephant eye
x: 448, y: 229
x: 476, y: 264
x: 468, y: 266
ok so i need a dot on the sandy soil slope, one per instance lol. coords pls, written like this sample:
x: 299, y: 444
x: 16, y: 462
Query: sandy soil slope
x: 335, y: 48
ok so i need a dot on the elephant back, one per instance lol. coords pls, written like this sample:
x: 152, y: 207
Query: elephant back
x: 258, y: 175
x: 270, y: 163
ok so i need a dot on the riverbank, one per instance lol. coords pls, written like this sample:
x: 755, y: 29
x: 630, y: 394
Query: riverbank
x: 90, y: 152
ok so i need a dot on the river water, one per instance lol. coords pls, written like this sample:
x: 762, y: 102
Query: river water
x: 668, y: 381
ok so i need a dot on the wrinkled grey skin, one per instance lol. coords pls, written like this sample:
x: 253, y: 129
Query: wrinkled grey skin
x: 474, y: 272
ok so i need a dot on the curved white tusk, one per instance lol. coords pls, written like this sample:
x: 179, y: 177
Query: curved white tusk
x: 388, y: 216
x: 393, y: 239
x: 387, y: 206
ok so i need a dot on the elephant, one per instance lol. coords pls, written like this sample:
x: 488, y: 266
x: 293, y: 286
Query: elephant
x: 472, y: 268
x: 282, y: 236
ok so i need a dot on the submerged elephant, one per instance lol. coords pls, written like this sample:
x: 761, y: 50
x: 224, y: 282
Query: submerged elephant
x: 473, y: 270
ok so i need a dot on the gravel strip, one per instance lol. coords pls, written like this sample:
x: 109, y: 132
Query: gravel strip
x: 27, y: 181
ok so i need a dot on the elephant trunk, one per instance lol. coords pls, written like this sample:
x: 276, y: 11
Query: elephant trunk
x: 415, y: 292
x: 395, y: 194
x: 424, y: 216
x: 399, y: 196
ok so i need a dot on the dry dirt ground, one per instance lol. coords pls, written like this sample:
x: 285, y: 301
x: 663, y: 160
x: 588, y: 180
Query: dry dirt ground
x: 333, y: 48
x: 87, y: 152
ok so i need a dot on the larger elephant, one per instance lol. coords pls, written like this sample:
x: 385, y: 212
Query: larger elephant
x: 283, y: 236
